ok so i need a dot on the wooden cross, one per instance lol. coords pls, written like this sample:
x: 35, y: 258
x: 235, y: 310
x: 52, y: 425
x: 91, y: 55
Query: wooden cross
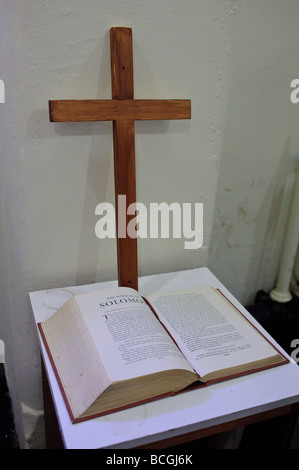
x: 123, y: 110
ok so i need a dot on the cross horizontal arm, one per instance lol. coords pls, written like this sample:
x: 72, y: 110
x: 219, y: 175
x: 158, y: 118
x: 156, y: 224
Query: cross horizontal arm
x: 118, y: 110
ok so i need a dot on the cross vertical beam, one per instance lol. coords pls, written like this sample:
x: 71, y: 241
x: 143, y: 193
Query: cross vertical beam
x: 121, y: 51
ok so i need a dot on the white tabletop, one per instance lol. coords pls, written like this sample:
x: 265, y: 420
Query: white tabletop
x: 168, y: 417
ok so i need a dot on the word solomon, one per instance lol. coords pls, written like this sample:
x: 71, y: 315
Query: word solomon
x: 160, y: 215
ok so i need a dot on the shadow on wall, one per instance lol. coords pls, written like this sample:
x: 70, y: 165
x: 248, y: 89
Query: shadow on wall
x: 245, y: 254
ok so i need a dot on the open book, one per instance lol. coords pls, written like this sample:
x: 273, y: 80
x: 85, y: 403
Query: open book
x: 112, y: 349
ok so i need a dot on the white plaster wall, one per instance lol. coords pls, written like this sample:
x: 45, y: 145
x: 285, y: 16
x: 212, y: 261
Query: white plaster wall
x: 53, y: 175
x: 260, y: 150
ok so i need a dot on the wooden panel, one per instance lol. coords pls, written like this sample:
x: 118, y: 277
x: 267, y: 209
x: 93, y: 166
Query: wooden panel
x: 220, y: 428
x: 120, y: 110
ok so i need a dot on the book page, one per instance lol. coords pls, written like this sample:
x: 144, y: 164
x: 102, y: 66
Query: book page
x: 129, y: 338
x: 210, y: 332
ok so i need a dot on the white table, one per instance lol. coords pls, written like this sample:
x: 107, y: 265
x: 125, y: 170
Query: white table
x: 187, y: 416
